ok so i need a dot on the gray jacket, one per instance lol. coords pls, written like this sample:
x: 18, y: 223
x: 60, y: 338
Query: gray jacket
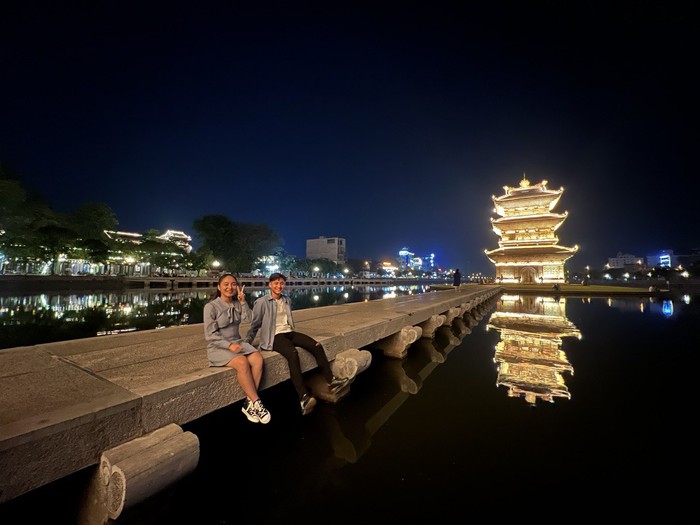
x: 264, y: 317
x: 221, y: 322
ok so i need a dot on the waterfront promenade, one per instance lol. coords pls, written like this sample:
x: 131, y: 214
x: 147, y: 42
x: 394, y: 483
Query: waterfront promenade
x: 64, y: 404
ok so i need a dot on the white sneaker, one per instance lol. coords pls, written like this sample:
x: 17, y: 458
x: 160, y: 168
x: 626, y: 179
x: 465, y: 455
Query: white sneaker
x: 308, y: 403
x: 251, y: 413
x: 263, y: 413
x: 338, y: 383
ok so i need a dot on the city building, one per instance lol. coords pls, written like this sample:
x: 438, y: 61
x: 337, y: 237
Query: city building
x: 331, y: 248
x: 625, y: 260
x: 409, y: 260
x: 405, y: 257
x: 125, y: 237
x: 663, y: 259
x: 528, y: 250
x: 178, y: 238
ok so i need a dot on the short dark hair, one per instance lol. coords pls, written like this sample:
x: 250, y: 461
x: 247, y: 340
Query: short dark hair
x: 275, y: 276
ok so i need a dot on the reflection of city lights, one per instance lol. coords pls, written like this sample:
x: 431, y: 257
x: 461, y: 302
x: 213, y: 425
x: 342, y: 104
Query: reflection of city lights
x: 667, y: 308
x: 686, y: 299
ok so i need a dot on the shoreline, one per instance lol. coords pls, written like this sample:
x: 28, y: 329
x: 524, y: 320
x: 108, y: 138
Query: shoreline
x: 23, y: 284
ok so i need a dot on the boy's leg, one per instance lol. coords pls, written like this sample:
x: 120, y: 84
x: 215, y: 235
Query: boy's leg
x: 284, y: 345
x: 310, y: 344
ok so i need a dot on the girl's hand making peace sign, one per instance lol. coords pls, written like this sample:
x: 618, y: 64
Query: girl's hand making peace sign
x: 241, y: 295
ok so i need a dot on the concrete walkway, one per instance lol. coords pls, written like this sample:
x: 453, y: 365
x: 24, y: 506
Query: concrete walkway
x: 63, y: 404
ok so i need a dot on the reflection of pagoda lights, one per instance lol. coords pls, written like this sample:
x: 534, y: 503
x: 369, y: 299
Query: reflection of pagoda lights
x: 529, y: 359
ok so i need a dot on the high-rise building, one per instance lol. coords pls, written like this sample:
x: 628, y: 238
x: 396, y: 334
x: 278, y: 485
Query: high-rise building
x: 408, y: 259
x: 332, y: 248
x: 663, y: 259
x: 528, y: 250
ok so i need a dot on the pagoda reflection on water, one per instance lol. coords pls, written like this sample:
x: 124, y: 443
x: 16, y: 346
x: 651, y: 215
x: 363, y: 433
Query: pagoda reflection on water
x: 529, y: 357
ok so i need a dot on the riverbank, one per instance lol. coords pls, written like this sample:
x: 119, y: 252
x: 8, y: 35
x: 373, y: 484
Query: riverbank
x: 570, y: 289
x: 65, y: 283
x: 29, y: 284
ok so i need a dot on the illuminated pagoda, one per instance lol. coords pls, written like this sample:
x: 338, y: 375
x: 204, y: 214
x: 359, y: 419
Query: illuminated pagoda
x: 528, y: 249
x: 531, y: 363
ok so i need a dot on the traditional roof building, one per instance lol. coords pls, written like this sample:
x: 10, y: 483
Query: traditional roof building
x: 528, y: 249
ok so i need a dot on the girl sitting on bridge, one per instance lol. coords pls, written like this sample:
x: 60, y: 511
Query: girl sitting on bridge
x: 222, y: 319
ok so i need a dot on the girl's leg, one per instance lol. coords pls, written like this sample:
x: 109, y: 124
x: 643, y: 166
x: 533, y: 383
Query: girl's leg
x: 256, y: 366
x: 244, y: 375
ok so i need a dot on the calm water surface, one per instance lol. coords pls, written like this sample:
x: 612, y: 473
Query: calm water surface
x: 551, y: 408
x: 44, y: 318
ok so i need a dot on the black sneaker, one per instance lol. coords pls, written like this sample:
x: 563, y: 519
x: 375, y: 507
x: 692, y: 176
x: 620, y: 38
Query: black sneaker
x: 338, y: 383
x: 308, y: 403
x: 250, y: 412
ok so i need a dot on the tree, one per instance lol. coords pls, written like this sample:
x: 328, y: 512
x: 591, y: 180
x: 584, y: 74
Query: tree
x: 94, y: 250
x: 151, y: 234
x: 235, y: 245
x: 161, y: 254
x: 55, y: 240
x: 201, y: 259
x: 12, y: 199
x: 92, y: 219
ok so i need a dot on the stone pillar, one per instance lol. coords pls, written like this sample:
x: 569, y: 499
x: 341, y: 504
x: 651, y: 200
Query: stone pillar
x: 429, y: 326
x: 396, y: 345
x: 133, y: 471
x: 450, y: 315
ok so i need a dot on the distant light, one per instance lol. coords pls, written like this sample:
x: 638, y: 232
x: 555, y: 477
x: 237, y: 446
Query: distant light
x: 667, y: 308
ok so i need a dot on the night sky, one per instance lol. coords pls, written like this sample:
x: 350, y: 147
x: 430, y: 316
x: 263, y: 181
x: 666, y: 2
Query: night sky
x: 390, y: 124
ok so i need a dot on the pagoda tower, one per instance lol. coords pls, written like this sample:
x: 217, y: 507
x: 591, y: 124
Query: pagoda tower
x: 528, y: 249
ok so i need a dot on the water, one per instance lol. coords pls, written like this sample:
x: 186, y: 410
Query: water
x: 44, y: 318
x: 600, y: 425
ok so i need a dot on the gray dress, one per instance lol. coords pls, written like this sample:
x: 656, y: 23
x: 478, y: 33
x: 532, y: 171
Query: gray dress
x: 221, y: 328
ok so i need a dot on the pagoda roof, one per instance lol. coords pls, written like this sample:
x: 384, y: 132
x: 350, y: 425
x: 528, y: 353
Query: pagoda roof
x: 553, y: 220
x: 529, y: 251
x: 527, y: 196
x: 534, y: 218
x: 525, y: 190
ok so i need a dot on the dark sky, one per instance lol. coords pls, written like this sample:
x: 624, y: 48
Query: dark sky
x: 388, y: 123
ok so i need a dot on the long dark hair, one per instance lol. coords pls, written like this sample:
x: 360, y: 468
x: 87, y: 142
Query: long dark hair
x: 217, y: 292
